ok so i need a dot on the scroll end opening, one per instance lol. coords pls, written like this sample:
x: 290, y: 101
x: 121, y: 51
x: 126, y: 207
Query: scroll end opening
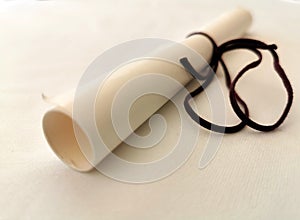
x: 60, y: 133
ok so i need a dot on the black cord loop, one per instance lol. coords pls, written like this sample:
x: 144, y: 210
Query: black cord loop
x: 218, y: 51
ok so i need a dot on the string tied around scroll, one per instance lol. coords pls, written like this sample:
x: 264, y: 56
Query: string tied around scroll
x: 242, y: 43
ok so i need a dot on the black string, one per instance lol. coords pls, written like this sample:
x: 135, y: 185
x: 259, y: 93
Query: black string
x: 218, y: 51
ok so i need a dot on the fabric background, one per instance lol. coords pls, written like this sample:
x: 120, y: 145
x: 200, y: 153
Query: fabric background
x: 45, y: 46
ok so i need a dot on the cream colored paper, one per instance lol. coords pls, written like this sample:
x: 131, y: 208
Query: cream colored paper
x: 58, y: 123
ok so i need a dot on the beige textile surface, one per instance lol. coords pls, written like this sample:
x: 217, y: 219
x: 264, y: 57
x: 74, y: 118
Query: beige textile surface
x: 45, y: 46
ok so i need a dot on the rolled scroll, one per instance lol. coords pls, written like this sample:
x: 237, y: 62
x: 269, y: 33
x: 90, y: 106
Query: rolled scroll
x: 63, y: 131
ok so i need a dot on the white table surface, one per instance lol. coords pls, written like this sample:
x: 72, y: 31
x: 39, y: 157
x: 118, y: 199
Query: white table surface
x: 46, y: 45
